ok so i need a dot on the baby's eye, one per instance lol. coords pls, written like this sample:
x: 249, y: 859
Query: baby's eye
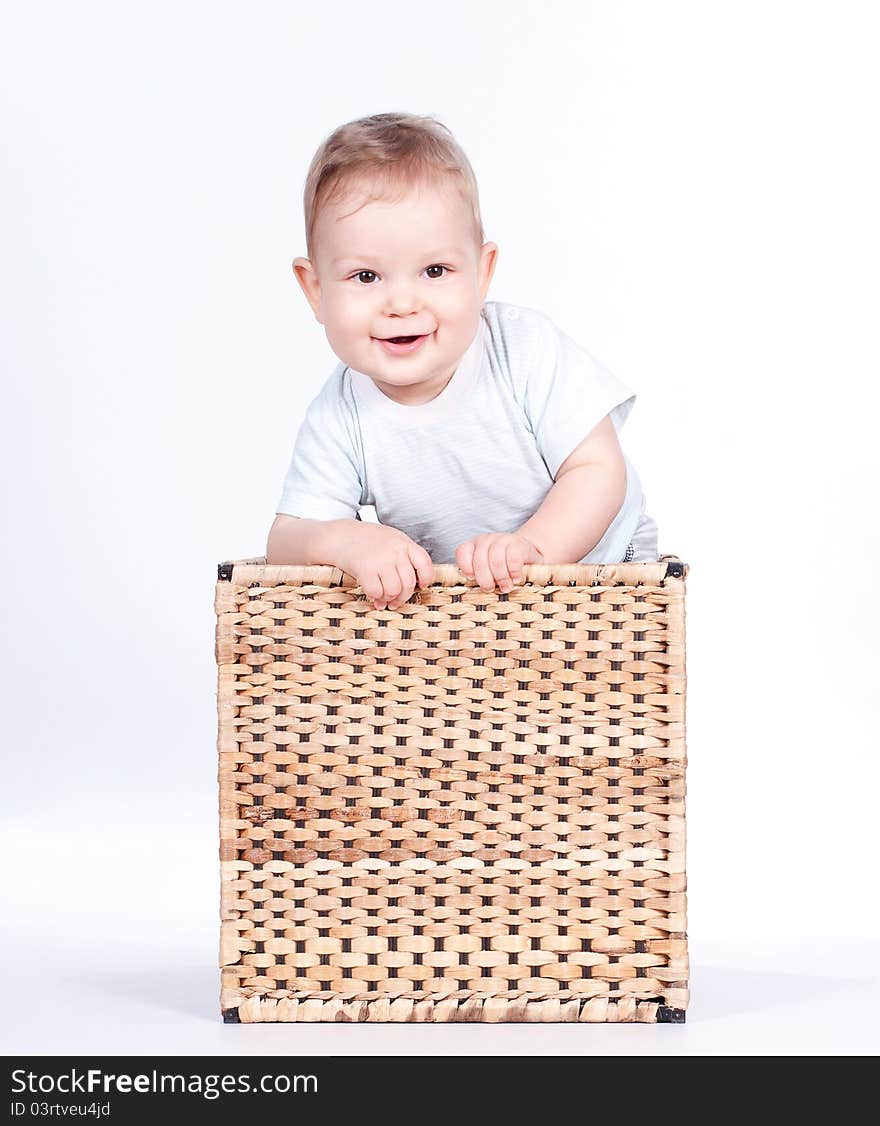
x: 360, y: 273
x: 437, y: 268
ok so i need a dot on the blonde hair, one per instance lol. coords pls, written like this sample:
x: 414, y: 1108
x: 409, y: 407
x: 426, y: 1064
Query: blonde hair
x: 389, y: 152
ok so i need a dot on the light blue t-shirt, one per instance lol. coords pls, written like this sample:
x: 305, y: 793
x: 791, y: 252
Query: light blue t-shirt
x: 480, y: 457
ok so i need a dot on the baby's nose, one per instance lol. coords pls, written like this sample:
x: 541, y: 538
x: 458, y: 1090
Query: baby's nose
x: 401, y: 301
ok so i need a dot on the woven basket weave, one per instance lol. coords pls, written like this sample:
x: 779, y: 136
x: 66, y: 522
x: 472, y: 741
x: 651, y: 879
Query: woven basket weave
x: 470, y: 808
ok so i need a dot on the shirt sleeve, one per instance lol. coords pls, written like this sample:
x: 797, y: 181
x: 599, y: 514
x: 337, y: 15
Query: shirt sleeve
x: 567, y: 394
x: 323, y: 481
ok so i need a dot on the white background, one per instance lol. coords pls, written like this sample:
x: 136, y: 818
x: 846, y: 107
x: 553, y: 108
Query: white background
x: 688, y: 189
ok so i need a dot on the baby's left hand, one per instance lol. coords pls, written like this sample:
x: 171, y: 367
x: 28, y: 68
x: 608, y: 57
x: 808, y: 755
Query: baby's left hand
x: 496, y: 557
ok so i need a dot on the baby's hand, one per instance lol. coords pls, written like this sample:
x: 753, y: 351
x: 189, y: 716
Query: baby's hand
x: 496, y: 557
x: 386, y: 564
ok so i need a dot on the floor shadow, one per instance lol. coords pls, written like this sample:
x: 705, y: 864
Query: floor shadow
x: 193, y: 990
x: 719, y: 992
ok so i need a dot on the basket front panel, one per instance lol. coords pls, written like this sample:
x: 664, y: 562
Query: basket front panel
x: 475, y: 796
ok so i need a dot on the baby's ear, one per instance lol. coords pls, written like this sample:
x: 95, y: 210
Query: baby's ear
x: 488, y: 262
x: 305, y: 272
x: 307, y: 276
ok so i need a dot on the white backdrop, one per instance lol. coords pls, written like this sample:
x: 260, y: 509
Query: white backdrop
x: 688, y: 189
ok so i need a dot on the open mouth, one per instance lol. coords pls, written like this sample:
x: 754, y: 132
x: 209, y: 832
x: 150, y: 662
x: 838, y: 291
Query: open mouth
x: 402, y: 345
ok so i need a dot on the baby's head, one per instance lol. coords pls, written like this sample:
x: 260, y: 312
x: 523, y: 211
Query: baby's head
x: 395, y: 248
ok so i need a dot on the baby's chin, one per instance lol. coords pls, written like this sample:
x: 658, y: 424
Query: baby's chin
x: 403, y: 369
x: 394, y: 379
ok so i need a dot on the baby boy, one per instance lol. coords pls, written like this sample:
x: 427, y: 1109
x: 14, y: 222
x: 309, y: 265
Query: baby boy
x: 481, y: 433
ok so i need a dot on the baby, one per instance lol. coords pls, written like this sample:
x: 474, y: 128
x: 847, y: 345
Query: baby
x: 480, y: 432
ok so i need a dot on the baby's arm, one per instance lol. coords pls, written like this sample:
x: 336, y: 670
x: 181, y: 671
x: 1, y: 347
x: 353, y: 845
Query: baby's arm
x: 589, y: 488
x: 385, y: 561
x: 303, y: 542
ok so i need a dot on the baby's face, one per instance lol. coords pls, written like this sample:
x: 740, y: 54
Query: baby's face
x: 405, y: 268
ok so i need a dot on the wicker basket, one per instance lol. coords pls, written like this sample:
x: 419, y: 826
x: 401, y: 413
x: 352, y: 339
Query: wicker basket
x: 470, y: 808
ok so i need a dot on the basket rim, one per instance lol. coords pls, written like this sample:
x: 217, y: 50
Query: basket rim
x: 256, y: 570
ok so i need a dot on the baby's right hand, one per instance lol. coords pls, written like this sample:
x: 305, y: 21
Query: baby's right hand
x: 387, y: 564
